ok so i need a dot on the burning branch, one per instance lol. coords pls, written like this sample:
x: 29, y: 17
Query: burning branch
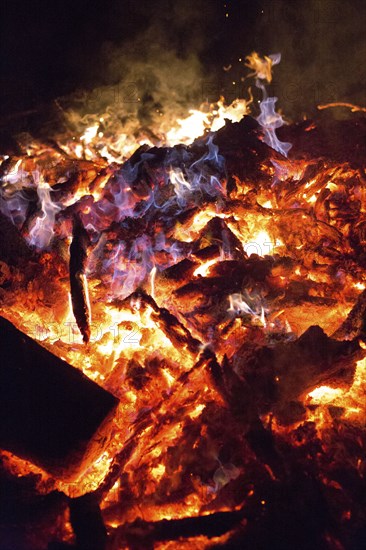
x: 354, y: 108
x: 78, y: 285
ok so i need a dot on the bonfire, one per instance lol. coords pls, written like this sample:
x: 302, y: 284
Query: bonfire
x: 183, y: 333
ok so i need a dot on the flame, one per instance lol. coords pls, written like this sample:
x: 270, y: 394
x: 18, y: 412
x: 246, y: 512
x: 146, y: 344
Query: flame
x: 262, y: 66
x: 261, y: 244
x: 238, y: 306
x: 189, y: 128
x: 42, y: 231
x: 324, y: 394
x: 270, y: 121
x: 152, y: 281
x: 204, y: 269
x: 89, y: 134
x: 93, y: 145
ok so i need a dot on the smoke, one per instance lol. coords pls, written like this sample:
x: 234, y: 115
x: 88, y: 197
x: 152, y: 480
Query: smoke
x: 174, y: 59
x: 323, y: 47
x: 144, y: 62
x: 151, y: 78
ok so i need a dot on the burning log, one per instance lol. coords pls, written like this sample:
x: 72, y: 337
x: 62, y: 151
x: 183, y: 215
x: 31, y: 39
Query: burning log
x: 181, y: 271
x: 78, y: 284
x: 142, y: 534
x: 50, y: 412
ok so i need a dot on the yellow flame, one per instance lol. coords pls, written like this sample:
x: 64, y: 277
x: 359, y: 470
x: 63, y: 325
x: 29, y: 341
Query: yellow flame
x: 324, y: 394
x: 89, y: 134
x: 204, y: 268
x: 262, y: 66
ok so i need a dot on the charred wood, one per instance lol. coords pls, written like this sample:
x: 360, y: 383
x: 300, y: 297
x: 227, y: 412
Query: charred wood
x: 87, y: 523
x: 13, y: 248
x: 277, y: 375
x: 355, y: 324
x: 143, y: 534
x: 78, y: 283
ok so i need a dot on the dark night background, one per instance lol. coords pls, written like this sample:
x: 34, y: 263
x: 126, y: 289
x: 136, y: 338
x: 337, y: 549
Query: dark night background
x: 175, y: 51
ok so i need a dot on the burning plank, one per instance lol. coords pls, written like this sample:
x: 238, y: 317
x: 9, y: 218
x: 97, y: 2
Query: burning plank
x: 51, y: 413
